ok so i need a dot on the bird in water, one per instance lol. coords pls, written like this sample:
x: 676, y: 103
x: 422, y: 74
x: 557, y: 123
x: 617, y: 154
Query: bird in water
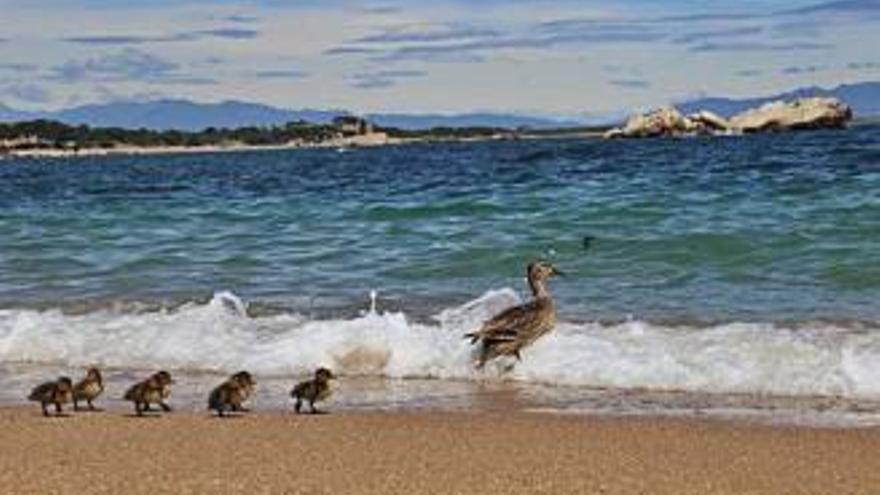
x: 314, y: 390
x: 507, y: 333
x: 88, y: 389
x: 57, y: 392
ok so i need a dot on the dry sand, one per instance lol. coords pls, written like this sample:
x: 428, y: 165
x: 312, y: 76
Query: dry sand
x: 427, y: 452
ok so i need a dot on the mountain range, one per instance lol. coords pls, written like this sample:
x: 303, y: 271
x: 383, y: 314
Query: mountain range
x: 180, y: 114
x: 191, y: 116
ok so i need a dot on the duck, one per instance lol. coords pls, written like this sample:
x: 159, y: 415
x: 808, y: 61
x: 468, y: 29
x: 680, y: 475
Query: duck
x: 231, y: 394
x: 314, y: 390
x: 508, y: 332
x: 154, y: 390
x: 88, y: 389
x: 56, y: 392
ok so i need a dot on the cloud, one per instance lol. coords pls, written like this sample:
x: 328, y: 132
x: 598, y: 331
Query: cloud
x: 30, y: 93
x: 18, y: 67
x: 630, y: 83
x: 242, y: 19
x: 128, y: 39
x: 800, y: 28
x: 705, y: 36
x: 133, y: 39
x: 232, y: 33
x: 420, y: 33
x: 381, y: 10
x: 760, y: 47
x: 437, y: 53
x: 475, y: 51
x: 842, y: 6
x: 749, y: 73
x: 129, y: 64
x: 459, y: 43
x: 350, y: 50
x: 281, y: 74
x: 372, y: 83
x: 383, y: 78
x: 795, y: 70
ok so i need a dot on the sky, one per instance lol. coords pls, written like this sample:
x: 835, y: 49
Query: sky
x: 541, y: 57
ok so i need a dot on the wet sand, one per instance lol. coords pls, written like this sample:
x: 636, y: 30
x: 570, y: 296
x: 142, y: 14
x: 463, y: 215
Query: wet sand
x: 427, y: 452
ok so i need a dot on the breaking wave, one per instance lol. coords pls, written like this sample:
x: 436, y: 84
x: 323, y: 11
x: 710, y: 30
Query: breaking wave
x: 752, y: 358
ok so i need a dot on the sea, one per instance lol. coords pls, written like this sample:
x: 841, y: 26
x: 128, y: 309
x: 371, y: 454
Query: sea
x: 720, y: 276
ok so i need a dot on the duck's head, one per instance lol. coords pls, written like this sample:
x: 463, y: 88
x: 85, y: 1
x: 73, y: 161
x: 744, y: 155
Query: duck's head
x: 538, y: 272
x: 244, y: 379
x: 93, y: 374
x: 65, y: 384
x: 324, y: 374
x: 164, y: 378
x: 541, y: 270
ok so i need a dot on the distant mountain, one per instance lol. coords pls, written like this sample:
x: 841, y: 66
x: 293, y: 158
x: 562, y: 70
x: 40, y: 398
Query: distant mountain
x: 427, y: 121
x: 185, y: 115
x: 191, y: 116
x: 864, y: 98
x: 10, y: 114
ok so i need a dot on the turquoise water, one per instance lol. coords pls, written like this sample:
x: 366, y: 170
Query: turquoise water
x: 764, y: 228
x: 726, y: 273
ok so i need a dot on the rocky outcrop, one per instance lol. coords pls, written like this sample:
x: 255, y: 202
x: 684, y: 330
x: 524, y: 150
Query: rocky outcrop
x: 709, y: 122
x: 666, y: 121
x: 806, y: 113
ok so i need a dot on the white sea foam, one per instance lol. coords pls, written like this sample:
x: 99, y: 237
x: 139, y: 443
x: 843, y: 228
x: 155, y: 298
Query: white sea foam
x: 731, y: 358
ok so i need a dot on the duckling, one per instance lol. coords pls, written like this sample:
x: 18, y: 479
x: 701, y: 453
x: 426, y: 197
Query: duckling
x: 58, y: 392
x: 88, y: 389
x: 314, y: 390
x: 155, y: 389
x: 507, y: 333
x: 232, y: 393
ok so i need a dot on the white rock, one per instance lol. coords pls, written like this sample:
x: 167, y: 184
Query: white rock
x: 805, y: 113
x: 665, y: 121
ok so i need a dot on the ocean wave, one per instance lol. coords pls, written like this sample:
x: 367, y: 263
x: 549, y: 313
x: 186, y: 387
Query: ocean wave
x: 752, y: 358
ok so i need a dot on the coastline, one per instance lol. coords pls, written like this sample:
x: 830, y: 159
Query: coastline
x: 363, y: 141
x: 357, y: 141
x: 427, y: 452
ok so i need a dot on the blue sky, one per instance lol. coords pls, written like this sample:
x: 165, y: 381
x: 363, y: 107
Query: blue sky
x: 553, y: 57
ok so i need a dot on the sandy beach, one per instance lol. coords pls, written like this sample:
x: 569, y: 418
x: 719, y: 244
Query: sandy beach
x: 427, y: 452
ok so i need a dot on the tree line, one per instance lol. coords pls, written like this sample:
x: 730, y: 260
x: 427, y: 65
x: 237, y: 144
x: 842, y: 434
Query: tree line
x: 52, y: 134
x: 48, y: 134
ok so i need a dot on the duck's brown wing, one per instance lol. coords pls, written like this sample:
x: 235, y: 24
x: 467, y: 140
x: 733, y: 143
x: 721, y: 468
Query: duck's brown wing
x: 42, y: 391
x: 80, y: 387
x: 506, y: 325
x: 134, y: 392
x: 218, y: 397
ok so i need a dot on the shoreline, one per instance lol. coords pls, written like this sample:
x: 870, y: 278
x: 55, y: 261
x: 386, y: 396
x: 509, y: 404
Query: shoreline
x: 345, y: 143
x: 487, y: 395
x: 428, y: 452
